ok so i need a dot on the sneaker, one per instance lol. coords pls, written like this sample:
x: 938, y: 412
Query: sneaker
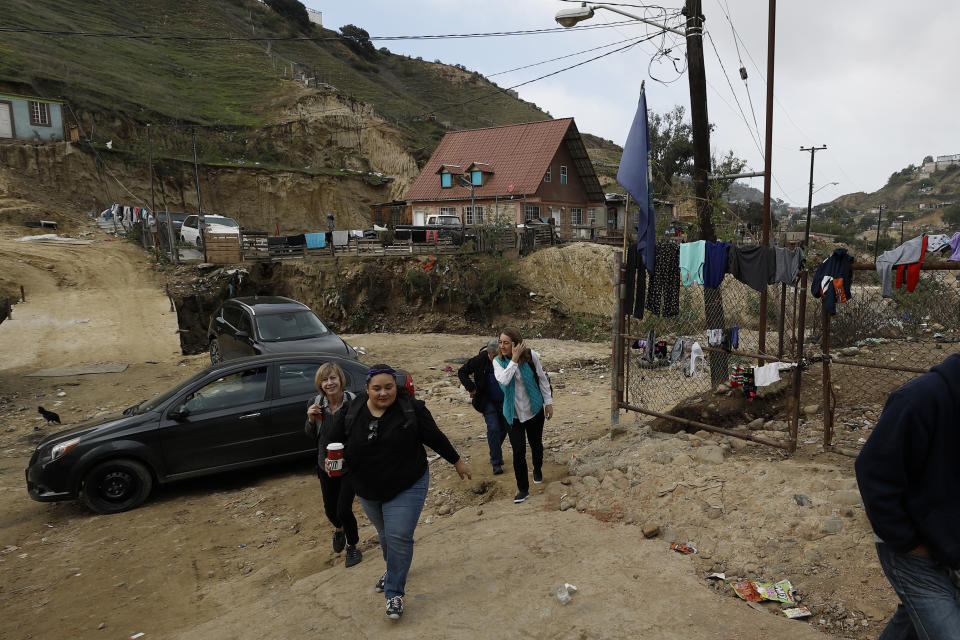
x: 520, y: 497
x: 538, y: 477
x: 380, y: 583
x: 497, y: 469
x: 395, y: 607
x: 353, y: 556
x: 339, y: 541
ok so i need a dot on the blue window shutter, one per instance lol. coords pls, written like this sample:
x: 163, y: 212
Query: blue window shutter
x: 477, y: 178
x: 445, y: 180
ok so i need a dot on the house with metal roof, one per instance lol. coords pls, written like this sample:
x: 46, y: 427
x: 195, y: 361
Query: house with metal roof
x: 31, y: 118
x: 520, y: 173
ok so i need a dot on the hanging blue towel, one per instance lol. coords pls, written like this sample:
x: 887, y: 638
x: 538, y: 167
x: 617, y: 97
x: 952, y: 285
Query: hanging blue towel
x: 316, y: 240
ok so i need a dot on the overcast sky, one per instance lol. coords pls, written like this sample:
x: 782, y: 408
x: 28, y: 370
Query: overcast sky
x: 876, y: 82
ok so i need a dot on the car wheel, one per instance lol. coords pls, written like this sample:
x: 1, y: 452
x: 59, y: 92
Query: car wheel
x: 116, y: 485
x: 215, y: 356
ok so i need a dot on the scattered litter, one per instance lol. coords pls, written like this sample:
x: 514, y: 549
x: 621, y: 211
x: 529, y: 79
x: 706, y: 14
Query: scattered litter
x: 797, y: 612
x: 756, y: 591
x: 61, y: 394
x: 52, y: 238
x: 137, y: 635
x: 565, y: 593
x: 448, y: 368
x: 683, y: 548
x: 241, y: 546
x: 717, y: 576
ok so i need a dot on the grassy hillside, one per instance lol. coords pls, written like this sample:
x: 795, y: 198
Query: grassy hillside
x: 231, y: 84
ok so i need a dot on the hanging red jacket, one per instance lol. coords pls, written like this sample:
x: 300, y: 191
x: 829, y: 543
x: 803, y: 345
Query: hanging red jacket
x: 912, y: 270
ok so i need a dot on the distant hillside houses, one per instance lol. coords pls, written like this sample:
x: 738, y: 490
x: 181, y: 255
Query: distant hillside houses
x: 942, y: 162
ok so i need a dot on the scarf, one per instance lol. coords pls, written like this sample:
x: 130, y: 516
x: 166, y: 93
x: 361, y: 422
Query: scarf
x: 529, y: 383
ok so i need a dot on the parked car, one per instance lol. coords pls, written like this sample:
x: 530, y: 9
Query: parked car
x: 176, y: 218
x: 446, y: 226
x: 270, y: 324
x: 190, y: 229
x: 233, y: 415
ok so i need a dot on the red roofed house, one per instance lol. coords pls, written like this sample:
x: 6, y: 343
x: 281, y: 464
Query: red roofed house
x: 521, y: 172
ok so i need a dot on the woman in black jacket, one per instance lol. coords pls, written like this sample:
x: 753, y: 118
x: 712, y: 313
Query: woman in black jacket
x: 383, y: 438
x: 337, y: 491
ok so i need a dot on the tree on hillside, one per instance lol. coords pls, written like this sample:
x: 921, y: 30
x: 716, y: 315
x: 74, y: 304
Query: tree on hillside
x: 293, y: 11
x: 951, y: 215
x: 358, y: 40
x: 671, y: 148
x: 927, y: 159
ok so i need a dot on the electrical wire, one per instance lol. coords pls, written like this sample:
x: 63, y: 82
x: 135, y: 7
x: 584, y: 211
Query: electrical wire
x: 446, y: 36
x: 569, y: 55
x: 743, y: 115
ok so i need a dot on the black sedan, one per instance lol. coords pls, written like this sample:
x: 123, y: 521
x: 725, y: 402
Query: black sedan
x: 258, y: 325
x: 237, y: 414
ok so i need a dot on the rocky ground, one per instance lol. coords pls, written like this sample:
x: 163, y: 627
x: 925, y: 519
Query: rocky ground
x: 248, y: 554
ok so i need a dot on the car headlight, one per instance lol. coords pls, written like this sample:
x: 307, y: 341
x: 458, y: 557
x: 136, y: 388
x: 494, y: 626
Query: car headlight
x: 62, y: 447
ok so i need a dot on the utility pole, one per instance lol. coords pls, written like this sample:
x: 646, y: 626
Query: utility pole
x: 767, y: 161
x: 813, y: 152
x: 876, y: 245
x: 196, y: 179
x: 700, y: 130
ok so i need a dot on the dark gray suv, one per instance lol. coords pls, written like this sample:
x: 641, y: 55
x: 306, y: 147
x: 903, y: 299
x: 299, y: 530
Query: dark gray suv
x: 270, y: 324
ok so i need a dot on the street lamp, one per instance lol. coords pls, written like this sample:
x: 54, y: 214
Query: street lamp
x: 570, y: 16
x: 825, y: 186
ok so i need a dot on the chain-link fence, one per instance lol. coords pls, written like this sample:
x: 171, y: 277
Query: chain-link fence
x: 875, y: 344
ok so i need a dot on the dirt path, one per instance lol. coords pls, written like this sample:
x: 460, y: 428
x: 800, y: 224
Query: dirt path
x: 85, y: 303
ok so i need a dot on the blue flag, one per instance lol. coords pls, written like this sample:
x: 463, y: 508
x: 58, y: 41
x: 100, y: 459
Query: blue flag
x: 634, y: 176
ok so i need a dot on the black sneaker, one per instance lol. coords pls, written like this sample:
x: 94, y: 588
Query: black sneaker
x: 497, y: 469
x: 353, y: 556
x: 339, y: 541
x: 538, y: 477
x: 395, y: 607
x: 380, y: 583
x: 520, y: 497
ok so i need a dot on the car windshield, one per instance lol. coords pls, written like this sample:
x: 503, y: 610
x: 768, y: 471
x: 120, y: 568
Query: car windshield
x: 290, y: 326
x: 224, y: 222
x: 152, y: 403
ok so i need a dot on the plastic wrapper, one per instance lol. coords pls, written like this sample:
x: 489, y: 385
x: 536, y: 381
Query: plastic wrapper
x: 797, y: 612
x: 683, y: 548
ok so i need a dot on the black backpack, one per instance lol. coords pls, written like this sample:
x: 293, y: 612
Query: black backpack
x: 403, y: 399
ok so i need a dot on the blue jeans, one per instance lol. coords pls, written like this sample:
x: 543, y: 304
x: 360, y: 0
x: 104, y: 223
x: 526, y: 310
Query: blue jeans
x: 929, y: 603
x: 497, y: 430
x: 395, y: 522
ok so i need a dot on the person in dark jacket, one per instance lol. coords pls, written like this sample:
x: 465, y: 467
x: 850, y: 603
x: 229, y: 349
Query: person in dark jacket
x: 908, y: 477
x: 383, y: 438
x: 833, y: 279
x: 477, y: 378
x: 337, y: 491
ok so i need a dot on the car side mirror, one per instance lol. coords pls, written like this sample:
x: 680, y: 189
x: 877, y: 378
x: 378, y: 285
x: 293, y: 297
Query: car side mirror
x: 179, y: 413
x: 332, y: 326
x: 242, y: 335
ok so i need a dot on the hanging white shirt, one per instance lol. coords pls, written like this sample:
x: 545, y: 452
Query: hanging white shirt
x: 521, y: 401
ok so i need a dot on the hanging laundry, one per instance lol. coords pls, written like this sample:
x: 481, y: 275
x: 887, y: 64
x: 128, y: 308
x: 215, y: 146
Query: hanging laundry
x: 692, y: 256
x: 766, y: 375
x: 789, y: 263
x: 716, y: 256
x: 937, y: 241
x: 714, y: 337
x: 315, y: 240
x: 911, y: 272
x: 907, y: 253
x: 955, y: 245
x: 676, y: 354
x: 836, y: 267
x: 663, y: 298
x: 734, y: 335
x: 341, y: 238
x: 755, y: 266
x: 635, y: 283
x: 356, y: 233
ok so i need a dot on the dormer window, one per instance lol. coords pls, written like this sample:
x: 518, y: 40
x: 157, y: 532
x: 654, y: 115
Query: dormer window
x: 476, y: 178
x: 446, y: 180
x: 546, y: 176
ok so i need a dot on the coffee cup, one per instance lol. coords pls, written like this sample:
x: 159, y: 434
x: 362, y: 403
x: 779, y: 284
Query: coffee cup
x: 335, y: 456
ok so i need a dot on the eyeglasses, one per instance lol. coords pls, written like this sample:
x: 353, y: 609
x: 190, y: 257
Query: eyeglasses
x: 373, y: 426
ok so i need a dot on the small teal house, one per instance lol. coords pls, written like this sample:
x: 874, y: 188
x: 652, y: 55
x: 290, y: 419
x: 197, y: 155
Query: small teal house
x: 30, y: 118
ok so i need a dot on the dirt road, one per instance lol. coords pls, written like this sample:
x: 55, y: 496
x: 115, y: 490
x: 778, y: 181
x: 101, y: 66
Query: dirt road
x: 247, y: 555
x: 85, y: 303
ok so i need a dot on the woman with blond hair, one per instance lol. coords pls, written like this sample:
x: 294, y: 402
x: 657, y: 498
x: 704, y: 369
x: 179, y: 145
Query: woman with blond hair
x: 524, y: 405
x: 337, y: 491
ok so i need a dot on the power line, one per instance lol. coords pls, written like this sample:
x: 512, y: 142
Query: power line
x: 737, y: 100
x: 569, y: 55
x: 445, y: 36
